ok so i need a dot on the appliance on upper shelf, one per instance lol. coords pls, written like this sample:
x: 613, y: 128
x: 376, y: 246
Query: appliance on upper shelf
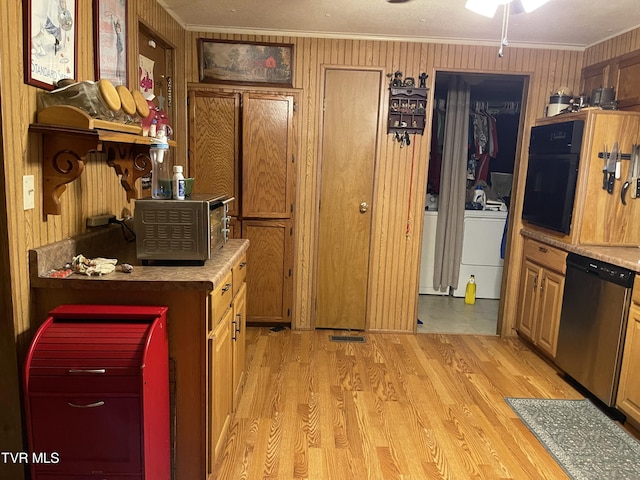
x: 554, y: 154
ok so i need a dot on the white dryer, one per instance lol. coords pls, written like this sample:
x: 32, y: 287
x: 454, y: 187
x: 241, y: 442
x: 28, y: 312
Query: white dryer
x: 483, y: 230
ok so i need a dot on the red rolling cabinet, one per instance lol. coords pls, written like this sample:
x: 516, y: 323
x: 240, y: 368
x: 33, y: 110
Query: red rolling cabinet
x: 97, y: 394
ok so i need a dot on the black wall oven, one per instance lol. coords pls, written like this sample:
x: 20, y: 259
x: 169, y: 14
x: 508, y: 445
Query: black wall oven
x: 554, y: 155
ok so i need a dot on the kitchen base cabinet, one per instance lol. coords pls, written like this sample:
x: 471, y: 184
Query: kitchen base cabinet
x: 226, y: 358
x: 628, y: 400
x: 540, y: 298
x: 194, y: 312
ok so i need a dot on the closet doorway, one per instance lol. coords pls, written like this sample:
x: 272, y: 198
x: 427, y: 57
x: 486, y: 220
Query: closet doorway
x: 495, y: 118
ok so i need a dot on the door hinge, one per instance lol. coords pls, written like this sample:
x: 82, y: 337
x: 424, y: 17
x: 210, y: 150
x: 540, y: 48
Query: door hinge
x: 288, y: 312
x: 295, y: 106
x: 324, y: 104
x: 293, y: 158
x: 290, y: 272
x: 292, y: 208
x: 290, y: 231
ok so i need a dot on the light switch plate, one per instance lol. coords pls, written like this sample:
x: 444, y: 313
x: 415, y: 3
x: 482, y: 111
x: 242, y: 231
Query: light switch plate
x: 28, y: 192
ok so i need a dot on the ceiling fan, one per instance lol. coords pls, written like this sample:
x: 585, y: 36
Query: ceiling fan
x: 488, y: 9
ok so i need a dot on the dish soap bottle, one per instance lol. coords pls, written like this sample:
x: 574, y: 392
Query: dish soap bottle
x: 470, y: 292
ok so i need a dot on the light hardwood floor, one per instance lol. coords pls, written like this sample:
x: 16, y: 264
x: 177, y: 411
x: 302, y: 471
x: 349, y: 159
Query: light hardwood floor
x: 424, y: 406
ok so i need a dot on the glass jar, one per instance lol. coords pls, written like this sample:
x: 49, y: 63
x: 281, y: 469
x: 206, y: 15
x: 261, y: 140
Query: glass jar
x: 160, y: 171
x: 98, y: 99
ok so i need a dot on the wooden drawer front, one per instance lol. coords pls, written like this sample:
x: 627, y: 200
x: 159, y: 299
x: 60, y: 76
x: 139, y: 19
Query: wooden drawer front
x: 221, y: 299
x: 239, y: 274
x: 84, y: 384
x: 546, y: 255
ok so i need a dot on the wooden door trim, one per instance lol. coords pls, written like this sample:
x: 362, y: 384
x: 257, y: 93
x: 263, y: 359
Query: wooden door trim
x: 383, y: 99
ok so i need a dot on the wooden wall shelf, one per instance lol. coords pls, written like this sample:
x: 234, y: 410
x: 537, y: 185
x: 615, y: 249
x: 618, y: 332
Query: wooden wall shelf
x: 65, y: 150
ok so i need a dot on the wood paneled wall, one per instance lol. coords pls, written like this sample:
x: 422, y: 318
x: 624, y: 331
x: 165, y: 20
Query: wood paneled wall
x: 614, y: 47
x: 97, y: 191
x: 401, y: 172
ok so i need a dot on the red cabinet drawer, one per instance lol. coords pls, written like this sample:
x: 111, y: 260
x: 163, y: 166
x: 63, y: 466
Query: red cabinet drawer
x: 97, y: 394
x: 103, y: 433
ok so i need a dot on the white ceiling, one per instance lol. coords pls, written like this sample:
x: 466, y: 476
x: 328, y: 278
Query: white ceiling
x: 574, y: 24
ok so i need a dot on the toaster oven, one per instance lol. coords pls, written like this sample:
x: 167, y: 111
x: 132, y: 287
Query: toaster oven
x: 181, y: 231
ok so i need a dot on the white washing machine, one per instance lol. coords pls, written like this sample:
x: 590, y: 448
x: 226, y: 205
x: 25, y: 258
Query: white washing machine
x: 428, y: 254
x: 483, y: 230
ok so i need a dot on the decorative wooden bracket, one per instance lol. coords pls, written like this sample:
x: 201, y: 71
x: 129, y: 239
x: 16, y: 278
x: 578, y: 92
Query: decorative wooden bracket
x: 63, y: 156
x: 130, y: 162
x: 65, y: 149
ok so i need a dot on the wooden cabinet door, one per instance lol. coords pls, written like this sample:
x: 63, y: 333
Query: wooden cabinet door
x: 239, y: 341
x: 628, y: 399
x: 214, y: 120
x: 594, y: 76
x: 268, y: 136
x: 626, y: 74
x: 220, y: 386
x: 528, y: 311
x: 551, y: 291
x: 269, y: 284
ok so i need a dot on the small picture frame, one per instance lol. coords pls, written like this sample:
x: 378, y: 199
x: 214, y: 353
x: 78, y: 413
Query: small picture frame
x: 245, y: 63
x: 110, y: 30
x: 50, y: 41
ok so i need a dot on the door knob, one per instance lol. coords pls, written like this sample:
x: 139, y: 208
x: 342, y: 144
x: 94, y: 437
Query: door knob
x: 364, y: 206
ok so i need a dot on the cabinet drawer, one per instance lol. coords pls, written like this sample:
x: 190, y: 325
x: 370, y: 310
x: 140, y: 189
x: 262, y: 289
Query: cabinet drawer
x: 221, y: 300
x: 546, y: 255
x: 239, y: 273
x: 84, y: 384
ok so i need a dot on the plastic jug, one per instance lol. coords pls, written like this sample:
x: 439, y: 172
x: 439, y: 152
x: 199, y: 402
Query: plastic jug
x: 470, y: 292
x: 160, y: 176
x: 479, y: 196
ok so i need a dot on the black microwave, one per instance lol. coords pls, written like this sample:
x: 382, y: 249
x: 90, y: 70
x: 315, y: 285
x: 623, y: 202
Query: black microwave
x: 552, y: 173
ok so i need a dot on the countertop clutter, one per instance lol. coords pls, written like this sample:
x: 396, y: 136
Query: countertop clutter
x: 622, y: 256
x: 108, y: 242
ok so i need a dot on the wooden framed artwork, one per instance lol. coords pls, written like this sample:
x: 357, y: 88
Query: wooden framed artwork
x: 50, y: 41
x: 110, y: 30
x: 245, y: 63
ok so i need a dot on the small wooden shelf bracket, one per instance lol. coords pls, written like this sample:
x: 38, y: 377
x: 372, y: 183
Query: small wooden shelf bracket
x: 64, y: 152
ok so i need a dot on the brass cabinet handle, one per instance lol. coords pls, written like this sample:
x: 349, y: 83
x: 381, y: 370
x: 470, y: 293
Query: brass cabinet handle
x: 226, y: 287
x: 535, y: 282
x: 90, y: 405
x: 364, y: 206
x: 543, y: 249
x: 242, y: 265
x: 235, y: 330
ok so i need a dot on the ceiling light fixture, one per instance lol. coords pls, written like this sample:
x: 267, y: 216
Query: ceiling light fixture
x: 488, y: 8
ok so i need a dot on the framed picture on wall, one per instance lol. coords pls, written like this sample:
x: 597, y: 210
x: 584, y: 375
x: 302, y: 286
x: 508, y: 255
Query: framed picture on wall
x: 110, y: 29
x: 249, y: 63
x: 50, y: 47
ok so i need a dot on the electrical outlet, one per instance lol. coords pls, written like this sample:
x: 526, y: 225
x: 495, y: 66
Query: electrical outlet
x: 28, y: 192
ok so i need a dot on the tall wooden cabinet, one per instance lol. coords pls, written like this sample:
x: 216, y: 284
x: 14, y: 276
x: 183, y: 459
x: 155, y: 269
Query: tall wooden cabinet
x: 244, y: 143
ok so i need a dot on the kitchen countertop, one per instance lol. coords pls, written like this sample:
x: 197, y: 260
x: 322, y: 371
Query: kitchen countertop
x: 109, y: 242
x: 627, y: 257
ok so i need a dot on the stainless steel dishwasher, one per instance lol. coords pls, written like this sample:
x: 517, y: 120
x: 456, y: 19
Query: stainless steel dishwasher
x: 593, y: 321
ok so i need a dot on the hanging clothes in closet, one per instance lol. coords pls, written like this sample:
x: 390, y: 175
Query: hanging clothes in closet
x: 484, y: 144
